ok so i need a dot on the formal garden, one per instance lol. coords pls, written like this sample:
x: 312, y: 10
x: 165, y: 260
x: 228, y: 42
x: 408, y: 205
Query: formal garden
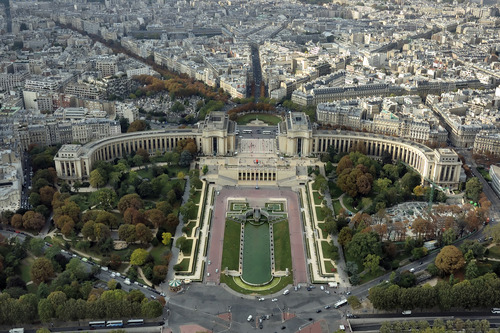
x: 256, y: 254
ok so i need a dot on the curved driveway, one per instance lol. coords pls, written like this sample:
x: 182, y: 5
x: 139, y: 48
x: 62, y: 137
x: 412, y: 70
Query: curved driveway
x: 219, y: 218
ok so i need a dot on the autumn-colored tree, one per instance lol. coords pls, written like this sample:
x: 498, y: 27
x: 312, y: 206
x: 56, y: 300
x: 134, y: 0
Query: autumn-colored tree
x: 16, y: 221
x: 88, y: 230
x: 420, y: 226
x: 361, y: 219
x: 133, y: 216
x: 137, y: 126
x: 143, y: 233
x: 345, y: 236
x: 33, y: 221
x: 344, y: 163
x: 472, y: 220
x: 156, y: 217
x: 42, y: 270
x: 61, y: 220
x: 138, y: 257
x: 68, y: 208
x: 450, y: 259
x: 46, y: 195
x: 166, y: 238
x: 68, y: 228
x: 126, y: 232
x: 143, y: 153
x: 101, y: 232
x: 130, y: 200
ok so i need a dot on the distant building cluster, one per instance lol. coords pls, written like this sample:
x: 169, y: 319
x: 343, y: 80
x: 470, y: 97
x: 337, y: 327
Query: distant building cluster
x: 358, y: 64
x: 11, y: 180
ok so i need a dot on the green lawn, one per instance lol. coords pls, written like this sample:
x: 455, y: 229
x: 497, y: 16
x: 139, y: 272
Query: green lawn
x: 184, y: 264
x: 318, y: 198
x: 329, y: 250
x: 158, y: 253
x: 282, y: 250
x: 335, y: 191
x: 26, y: 269
x: 324, y: 234
x: 284, y: 281
x: 196, y: 197
x: 267, y: 118
x: 494, y: 252
x: 256, y: 254
x: 319, y: 213
x: 329, y: 267
x: 189, y: 246
x: 337, y: 206
x: 231, y: 248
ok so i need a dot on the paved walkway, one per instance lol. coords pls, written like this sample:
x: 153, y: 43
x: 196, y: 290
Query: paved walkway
x: 178, y: 233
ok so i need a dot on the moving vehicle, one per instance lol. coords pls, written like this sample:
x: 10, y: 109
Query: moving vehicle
x: 274, y: 300
x: 97, y: 323
x: 266, y: 132
x: 495, y: 310
x: 340, y: 303
x: 247, y: 131
x: 286, y: 292
x: 135, y: 322
x: 114, y: 323
x: 261, y: 299
x: 250, y: 317
x: 406, y: 312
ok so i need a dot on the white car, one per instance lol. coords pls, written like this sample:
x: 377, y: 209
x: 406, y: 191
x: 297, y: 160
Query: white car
x: 262, y: 299
x: 322, y: 287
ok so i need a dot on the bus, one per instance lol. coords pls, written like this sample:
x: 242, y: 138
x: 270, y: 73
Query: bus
x: 247, y: 131
x: 135, y: 322
x: 266, y: 132
x: 97, y: 324
x: 495, y: 310
x: 340, y: 303
x: 114, y: 323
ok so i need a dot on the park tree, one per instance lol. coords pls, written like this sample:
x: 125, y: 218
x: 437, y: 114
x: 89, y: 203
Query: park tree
x: 16, y: 221
x: 143, y: 153
x: 344, y: 163
x: 42, y: 270
x: 410, y: 180
x: 449, y: 236
x: 68, y: 208
x: 156, y: 217
x: 204, y: 169
x: 166, y: 238
x: 151, y: 309
x: 36, y: 246
x: 88, y: 230
x: 172, y: 223
x: 105, y: 197
x: 363, y: 244
x: 143, y: 233
x: 345, y: 236
x: 130, y: 201
x: 97, y: 179
x: 137, y: 126
x: 371, y: 262
x: 182, y: 243
x: 189, y: 210
x: 126, y: 232
x: 185, y: 159
x: 354, y: 302
x: 33, y: 220
x: 450, y: 259
x: 491, y: 230
x: 46, y: 195
x: 473, y: 189
x: 133, y: 216
x: 138, y: 257
x: 101, y: 232
x: 471, y: 271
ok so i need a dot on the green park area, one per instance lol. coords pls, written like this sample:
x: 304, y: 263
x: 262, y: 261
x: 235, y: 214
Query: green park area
x: 267, y: 118
x: 282, y: 249
x: 231, y: 245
